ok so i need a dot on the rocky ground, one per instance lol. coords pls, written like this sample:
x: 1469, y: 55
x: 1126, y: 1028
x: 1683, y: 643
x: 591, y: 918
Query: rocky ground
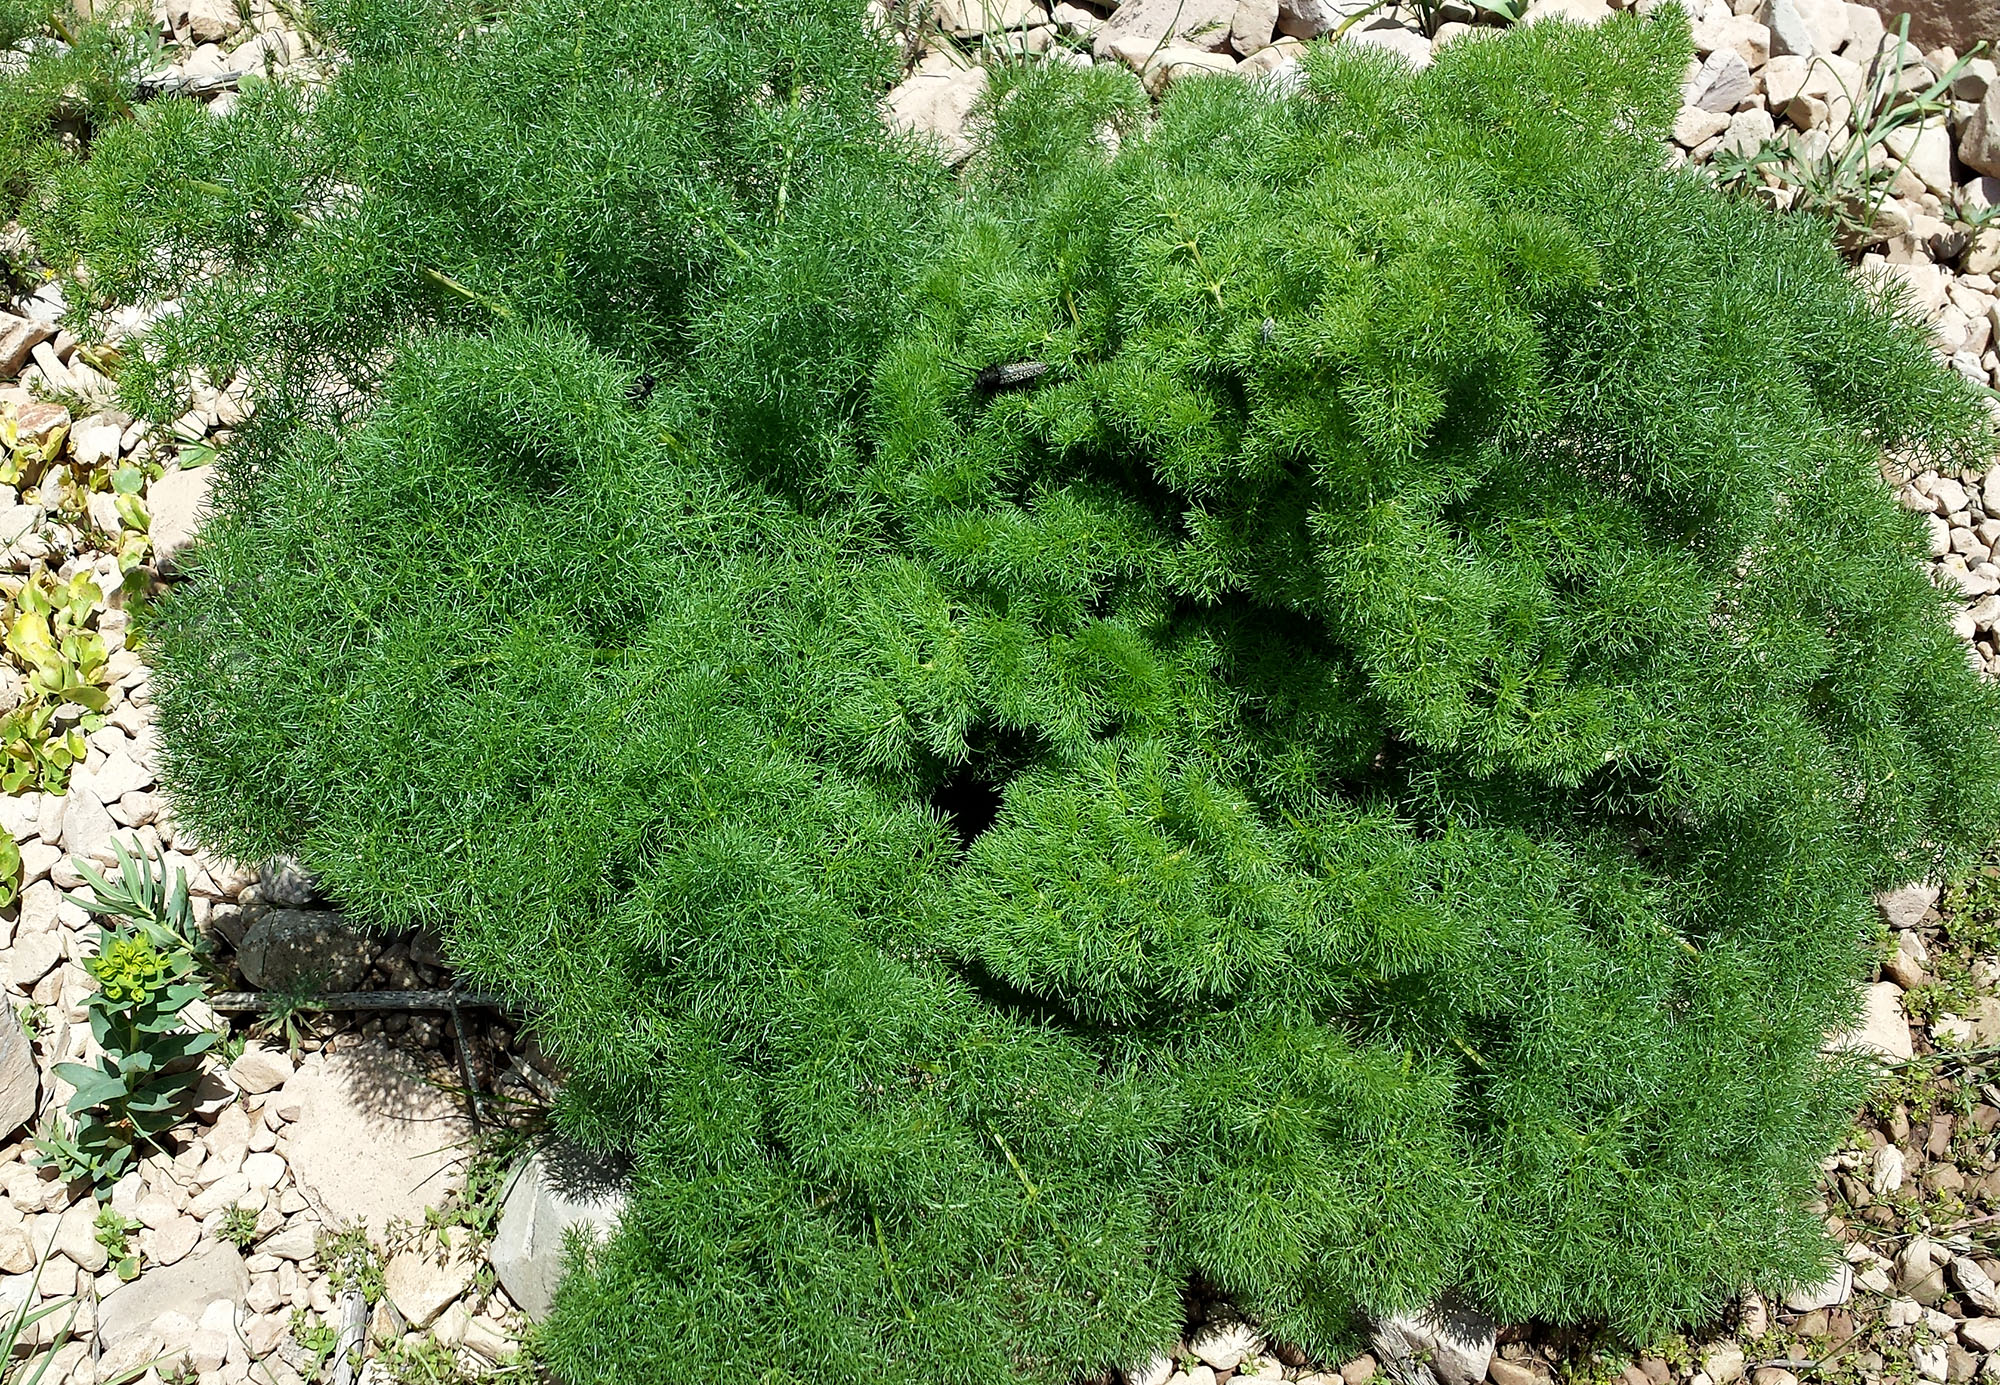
x: 336, y: 1162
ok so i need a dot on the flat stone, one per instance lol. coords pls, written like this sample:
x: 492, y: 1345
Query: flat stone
x: 1747, y: 132
x: 1694, y: 126
x: 187, y: 1289
x: 1224, y: 1340
x: 176, y: 504
x: 1721, y: 84
x: 264, y: 1170
x: 20, y: 1080
x: 1835, y: 1290
x: 171, y: 1243
x: 19, y: 336
x: 1457, y: 1340
x: 972, y: 18
x: 1905, y: 907
x: 1252, y: 25
x: 371, y: 1098
x: 1585, y: 12
x: 1147, y: 26
x: 39, y: 421
x: 260, y: 1069
x: 1885, y: 1029
x: 76, y: 1237
x: 283, y: 882
x: 111, y: 779
x: 228, y: 1140
x: 1724, y: 1363
x: 212, y: 21
x: 1829, y: 21
x: 1927, y: 151
x: 31, y: 956
x: 1310, y: 19
x: 226, y: 1191
x: 93, y: 441
x: 297, y: 1241
x: 1983, y: 1333
x: 422, y: 1282
x: 1791, y: 36
x: 484, y: 1337
x: 304, y: 950
x: 558, y: 1188
x: 17, y: 1250
x: 1979, y: 139
x: 1177, y: 61
x: 1405, y: 43
x: 934, y: 101
x: 87, y: 826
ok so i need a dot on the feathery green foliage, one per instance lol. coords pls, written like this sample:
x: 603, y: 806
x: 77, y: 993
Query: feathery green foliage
x: 61, y: 79
x: 1356, y: 774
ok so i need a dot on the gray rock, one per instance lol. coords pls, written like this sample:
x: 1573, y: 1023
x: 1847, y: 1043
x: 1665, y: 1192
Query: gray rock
x: 1458, y: 1339
x: 1979, y: 141
x: 935, y: 100
x: 175, y: 507
x: 304, y: 950
x: 1833, y: 1291
x: 1141, y: 27
x: 216, y: 1275
x: 1905, y: 907
x: 1252, y: 25
x: 20, y: 1081
x: 558, y: 1188
x: 1791, y: 36
x: 1885, y: 1029
x: 1722, y: 84
x: 1309, y: 19
x: 287, y: 884
x: 87, y: 825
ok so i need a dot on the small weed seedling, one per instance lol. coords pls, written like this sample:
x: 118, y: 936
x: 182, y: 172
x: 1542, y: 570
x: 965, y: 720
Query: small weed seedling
x: 239, y: 1227
x: 113, y: 1230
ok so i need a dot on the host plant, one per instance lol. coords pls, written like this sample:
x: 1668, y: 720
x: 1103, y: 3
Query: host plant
x: 1312, y: 703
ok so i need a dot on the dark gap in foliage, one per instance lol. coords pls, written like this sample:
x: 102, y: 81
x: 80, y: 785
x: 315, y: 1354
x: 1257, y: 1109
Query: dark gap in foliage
x: 969, y: 801
x: 969, y: 795
x: 1009, y: 999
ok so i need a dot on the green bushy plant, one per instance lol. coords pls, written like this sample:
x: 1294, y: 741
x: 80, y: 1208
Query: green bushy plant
x: 62, y: 78
x: 1307, y: 694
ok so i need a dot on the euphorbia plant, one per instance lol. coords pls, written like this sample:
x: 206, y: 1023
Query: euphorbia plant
x: 146, y: 972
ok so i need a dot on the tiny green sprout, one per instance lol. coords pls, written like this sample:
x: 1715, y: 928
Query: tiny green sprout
x: 239, y: 1227
x: 113, y: 1231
